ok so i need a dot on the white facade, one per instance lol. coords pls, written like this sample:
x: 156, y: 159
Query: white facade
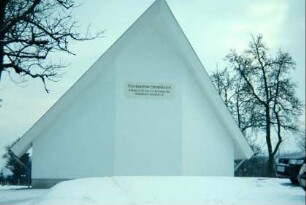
x: 146, y: 107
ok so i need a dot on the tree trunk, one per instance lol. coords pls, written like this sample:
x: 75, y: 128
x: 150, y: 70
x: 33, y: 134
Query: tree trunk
x: 270, y: 167
x: 269, y: 143
x: 3, y: 4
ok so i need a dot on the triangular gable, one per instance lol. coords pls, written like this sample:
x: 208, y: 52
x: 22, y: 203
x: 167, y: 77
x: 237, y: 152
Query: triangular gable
x: 177, y: 38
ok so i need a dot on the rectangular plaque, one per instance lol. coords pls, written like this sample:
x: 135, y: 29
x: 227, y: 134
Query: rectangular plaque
x: 149, y: 90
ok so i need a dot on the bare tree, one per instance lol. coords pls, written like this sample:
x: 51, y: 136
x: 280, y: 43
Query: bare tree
x: 269, y: 88
x: 224, y: 84
x: 232, y: 91
x: 30, y: 30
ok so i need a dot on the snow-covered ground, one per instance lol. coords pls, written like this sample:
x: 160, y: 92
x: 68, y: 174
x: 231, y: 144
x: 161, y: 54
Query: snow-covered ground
x: 161, y: 190
x: 10, y: 195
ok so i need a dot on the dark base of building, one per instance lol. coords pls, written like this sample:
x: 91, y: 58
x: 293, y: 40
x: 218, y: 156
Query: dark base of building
x: 45, y: 183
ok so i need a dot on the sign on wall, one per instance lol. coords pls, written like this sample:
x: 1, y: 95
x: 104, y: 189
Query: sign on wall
x: 149, y: 90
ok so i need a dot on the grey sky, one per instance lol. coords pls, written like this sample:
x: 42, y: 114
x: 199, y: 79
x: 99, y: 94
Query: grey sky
x: 212, y: 27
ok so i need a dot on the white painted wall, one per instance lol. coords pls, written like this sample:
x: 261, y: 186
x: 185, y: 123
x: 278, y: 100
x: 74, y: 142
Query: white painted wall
x: 80, y: 142
x: 103, y: 132
x: 149, y: 131
x: 208, y: 149
x: 181, y: 136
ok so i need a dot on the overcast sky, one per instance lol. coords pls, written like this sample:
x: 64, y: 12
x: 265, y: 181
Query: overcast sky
x: 212, y: 27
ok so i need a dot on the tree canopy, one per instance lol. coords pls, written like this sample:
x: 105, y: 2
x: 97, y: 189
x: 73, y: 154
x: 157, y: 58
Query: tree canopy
x: 30, y: 30
x: 20, y: 167
x: 260, y: 93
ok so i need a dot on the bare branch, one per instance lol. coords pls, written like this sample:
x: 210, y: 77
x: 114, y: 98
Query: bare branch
x: 32, y: 29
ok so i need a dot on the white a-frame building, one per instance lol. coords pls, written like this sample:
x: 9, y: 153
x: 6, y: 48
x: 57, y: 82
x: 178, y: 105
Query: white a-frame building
x: 146, y: 107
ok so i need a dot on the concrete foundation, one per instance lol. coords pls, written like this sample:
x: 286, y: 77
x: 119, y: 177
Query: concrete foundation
x: 45, y: 183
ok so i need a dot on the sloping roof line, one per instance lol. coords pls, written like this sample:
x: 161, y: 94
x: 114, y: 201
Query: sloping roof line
x: 202, y: 78
x: 204, y: 81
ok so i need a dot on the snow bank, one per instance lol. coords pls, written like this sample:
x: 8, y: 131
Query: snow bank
x: 173, y: 190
